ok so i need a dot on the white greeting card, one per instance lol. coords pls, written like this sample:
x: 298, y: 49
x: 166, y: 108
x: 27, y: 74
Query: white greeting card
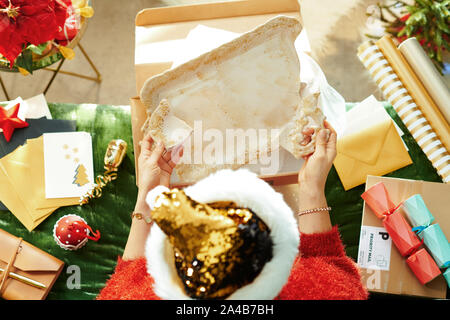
x: 37, y: 107
x: 68, y: 164
x: 33, y: 108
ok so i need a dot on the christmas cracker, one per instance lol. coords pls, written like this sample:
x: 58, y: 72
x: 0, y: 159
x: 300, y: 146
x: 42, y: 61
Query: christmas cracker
x: 407, y: 243
x: 377, y: 198
x: 432, y: 235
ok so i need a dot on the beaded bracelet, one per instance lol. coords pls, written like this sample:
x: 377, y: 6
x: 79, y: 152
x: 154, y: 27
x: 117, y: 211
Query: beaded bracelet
x: 140, y: 216
x: 316, y: 210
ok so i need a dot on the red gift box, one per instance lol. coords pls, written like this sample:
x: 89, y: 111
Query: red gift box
x: 423, y: 266
x: 377, y: 198
x: 401, y: 234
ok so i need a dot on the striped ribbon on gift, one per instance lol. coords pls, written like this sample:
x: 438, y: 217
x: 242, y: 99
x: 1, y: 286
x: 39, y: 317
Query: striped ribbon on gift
x: 405, y: 106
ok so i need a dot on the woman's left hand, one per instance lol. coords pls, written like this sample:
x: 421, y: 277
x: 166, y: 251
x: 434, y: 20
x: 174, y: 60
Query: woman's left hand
x: 314, y: 172
x: 155, y: 167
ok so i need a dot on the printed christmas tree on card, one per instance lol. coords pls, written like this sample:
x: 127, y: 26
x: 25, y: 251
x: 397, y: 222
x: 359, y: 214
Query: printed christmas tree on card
x: 81, y: 178
x: 69, y: 170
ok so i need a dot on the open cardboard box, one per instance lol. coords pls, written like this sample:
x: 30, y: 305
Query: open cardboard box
x: 159, y: 38
x: 394, y: 276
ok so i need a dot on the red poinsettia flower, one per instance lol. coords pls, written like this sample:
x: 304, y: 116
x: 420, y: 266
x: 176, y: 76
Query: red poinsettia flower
x: 24, y: 22
x: 405, y: 17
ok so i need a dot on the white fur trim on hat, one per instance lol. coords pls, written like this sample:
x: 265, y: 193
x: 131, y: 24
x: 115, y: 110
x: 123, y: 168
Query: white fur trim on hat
x: 246, y: 190
x: 153, y: 194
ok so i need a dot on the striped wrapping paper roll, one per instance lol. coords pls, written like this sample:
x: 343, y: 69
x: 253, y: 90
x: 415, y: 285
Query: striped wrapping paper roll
x: 415, y: 89
x: 405, y: 106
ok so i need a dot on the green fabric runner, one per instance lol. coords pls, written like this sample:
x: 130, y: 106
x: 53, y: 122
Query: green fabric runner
x: 111, y: 213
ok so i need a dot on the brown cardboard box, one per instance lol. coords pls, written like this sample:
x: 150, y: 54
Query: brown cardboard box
x: 164, y: 25
x: 399, y: 279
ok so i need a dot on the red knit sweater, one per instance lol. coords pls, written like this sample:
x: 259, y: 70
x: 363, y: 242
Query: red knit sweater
x: 321, y: 271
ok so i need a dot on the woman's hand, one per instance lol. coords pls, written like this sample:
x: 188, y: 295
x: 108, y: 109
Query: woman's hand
x: 312, y: 178
x: 313, y: 174
x: 155, y: 167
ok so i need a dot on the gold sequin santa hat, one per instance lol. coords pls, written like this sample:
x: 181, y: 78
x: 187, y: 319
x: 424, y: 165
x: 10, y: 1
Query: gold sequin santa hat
x: 229, y: 236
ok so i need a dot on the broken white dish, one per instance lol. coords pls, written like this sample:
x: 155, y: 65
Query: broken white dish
x: 166, y: 127
x: 249, y: 83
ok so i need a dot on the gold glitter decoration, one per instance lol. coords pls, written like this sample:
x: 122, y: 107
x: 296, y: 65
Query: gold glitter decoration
x: 115, y: 153
x: 218, y: 247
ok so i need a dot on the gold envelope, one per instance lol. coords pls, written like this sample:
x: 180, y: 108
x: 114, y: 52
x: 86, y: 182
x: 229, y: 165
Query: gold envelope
x: 377, y: 150
x: 22, y: 187
x: 12, y: 201
x: 25, y: 169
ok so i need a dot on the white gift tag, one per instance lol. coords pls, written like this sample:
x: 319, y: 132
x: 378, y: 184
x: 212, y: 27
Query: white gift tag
x: 37, y: 107
x: 68, y: 163
x: 374, y: 248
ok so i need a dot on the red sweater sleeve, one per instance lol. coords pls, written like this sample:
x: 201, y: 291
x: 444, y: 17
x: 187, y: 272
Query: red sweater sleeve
x: 130, y: 281
x: 322, y: 271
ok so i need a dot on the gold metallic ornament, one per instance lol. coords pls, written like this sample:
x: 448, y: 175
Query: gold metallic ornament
x: 115, y: 153
x: 218, y: 247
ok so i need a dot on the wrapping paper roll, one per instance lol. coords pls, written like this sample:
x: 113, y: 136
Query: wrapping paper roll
x: 435, y: 240
x: 406, y: 107
x: 417, y: 212
x: 423, y: 266
x: 428, y: 74
x: 415, y: 89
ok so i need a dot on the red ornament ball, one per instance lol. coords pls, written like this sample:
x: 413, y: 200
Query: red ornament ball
x: 69, y: 29
x: 71, y: 232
